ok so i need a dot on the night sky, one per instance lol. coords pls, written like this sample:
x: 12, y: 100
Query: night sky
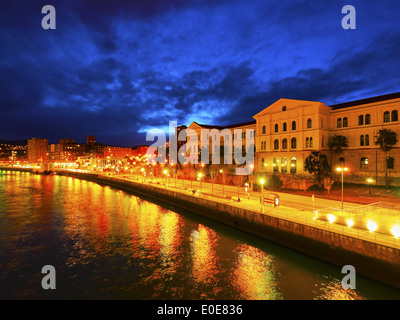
x: 116, y: 69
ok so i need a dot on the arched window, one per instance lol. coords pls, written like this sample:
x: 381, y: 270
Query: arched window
x: 345, y: 122
x: 367, y: 140
x: 364, y: 163
x: 367, y: 119
x: 293, y: 125
x: 284, y: 126
x: 276, y: 127
x: 360, y: 120
x: 390, y: 163
x: 386, y: 116
x: 284, y: 165
x: 307, y: 142
x: 293, y: 165
x: 263, y: 130
x: 293, y: 143
x: 395, y: 115
x: 284, y: 143
x: 262, y: 163
x: 309, y: 123
x: 311, y: 142
x: 276, y: 144
x: 362, y: 140
x: 275, y: 165
x: 339, y: 123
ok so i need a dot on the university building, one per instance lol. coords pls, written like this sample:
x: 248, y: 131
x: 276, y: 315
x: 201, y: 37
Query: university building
x: 288, y: 130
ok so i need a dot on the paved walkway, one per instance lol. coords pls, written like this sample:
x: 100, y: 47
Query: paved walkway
x: 294, y: 207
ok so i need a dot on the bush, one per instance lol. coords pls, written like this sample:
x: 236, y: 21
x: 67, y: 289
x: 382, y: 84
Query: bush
x: 316, y: 187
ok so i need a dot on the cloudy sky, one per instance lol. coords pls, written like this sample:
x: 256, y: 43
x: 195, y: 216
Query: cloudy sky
x: 116, y: 69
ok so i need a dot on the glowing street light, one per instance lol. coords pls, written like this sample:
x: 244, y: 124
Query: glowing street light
x: 369, y: 180
x: 342, y: 169
x: 262, y: 181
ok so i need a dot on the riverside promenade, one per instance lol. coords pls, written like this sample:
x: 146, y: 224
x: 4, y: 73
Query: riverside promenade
x: 298, y: 223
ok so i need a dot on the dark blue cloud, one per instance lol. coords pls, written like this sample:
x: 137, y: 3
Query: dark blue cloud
x: 117, y: 69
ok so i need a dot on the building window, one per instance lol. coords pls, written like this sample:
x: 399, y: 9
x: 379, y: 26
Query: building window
x: 276, y: 127
x: 367, y: 119
x: 262, y: 162
x: 284, y: 126
x: 284, y: 108
x: 364, y: 163
x: 284, y: 165
x: 339, y: 123
x: 293, y: 165
x: 386, y: 116
x: 307, y: 142
x: 284, y: 143
x: 362, y: 140
x: 311, y: 142
x: 345, y: 122
x: 395, y: 115
x: 360, y: 120
x: 293, y: 125
x: 293, y: 143
x: 390, y: 163
x: 275, y: 165
x: 263, y: 130
x: 309, y: 123
x: 367, y: 140
x: 276, y: 144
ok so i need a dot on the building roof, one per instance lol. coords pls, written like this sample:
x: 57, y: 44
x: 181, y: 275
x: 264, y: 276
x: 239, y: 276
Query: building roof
x: 366, y: 101
x: 208, y: 126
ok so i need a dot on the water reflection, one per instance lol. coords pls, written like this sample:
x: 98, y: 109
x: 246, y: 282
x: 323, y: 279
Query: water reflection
x: 105, y: 243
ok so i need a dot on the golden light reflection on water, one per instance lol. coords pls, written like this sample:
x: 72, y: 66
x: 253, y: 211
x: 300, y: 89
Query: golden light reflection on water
x: 333, y: 290
x: 203, y: 252
x: 254, y: 274
x: 117, y: 243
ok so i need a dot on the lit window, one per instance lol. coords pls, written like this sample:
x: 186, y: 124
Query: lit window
x: 364, y: 163
x: 284, y: 165
x: 293, y: 165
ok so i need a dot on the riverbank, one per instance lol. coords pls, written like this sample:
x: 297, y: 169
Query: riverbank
x: 317, y: 239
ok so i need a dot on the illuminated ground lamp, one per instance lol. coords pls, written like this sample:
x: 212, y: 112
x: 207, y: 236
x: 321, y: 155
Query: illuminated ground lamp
x: 350, y: 223
x: 342, y: 169
x: 331, y: 218
x: 396, y: 231
x: 372, y: 226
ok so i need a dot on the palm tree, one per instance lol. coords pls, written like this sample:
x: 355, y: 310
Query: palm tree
x: 386, y: 139
x: 317, y: 164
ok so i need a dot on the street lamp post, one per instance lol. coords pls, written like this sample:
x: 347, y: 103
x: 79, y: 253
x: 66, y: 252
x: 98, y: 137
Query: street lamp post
x: 369, y: 180
x: 262, y: 181
x: 200, y: 175
x: 342, y: 169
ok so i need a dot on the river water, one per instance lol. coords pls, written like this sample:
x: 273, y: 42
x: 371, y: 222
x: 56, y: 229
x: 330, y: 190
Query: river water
x: 107, y: 244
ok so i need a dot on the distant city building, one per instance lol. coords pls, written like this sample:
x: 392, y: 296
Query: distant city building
x: 117, y: 152
x: 91, y: 140
x: 37, y: 149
